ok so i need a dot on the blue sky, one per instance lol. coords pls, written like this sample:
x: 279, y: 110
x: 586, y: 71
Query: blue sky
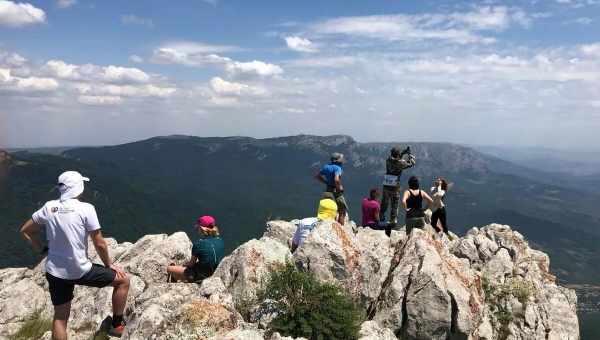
x: 76, y: 72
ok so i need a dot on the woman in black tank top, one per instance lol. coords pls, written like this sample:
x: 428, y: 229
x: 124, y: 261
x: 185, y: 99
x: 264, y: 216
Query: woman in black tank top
x: 413, y: 203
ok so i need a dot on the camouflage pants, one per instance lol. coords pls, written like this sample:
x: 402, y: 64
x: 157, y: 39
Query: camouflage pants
x: 390, y: 194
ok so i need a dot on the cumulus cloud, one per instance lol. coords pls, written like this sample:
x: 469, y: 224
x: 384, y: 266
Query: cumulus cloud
x: 25, y: 84
x: 258, y: 68
x: 226, y: 88
x: 300, y: 44
x: 11, y: 59
x: 14, y: 14
x: 131, y: 19
x: 65, y: 3
x: 111, y: 73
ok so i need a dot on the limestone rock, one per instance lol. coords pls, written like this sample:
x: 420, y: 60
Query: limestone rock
x: 487, y: 285
x: 371, y: 330
x: 281, y: 231
x: 358, y: 262
x: 243, y: 271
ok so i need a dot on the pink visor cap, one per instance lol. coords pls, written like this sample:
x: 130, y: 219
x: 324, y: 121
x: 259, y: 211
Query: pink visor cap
x: 206, y: 221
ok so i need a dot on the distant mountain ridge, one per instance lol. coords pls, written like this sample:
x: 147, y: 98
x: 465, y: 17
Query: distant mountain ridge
x: 166, y: 182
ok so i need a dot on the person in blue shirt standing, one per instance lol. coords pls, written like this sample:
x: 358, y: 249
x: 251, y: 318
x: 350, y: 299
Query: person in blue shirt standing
x: 331, y: 175
x: 207, y: 253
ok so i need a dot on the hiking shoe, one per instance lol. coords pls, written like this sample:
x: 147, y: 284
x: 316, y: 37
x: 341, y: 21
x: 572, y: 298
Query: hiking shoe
x: 116, y: 331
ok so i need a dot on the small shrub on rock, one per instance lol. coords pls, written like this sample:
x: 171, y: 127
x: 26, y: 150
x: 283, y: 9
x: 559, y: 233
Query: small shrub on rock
x: 309, y: 308
x: 33, y: 328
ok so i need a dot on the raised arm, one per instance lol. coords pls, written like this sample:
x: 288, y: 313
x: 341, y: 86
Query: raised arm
x: 408, y: 163
x: 30, y: 231
x: 438, y: 193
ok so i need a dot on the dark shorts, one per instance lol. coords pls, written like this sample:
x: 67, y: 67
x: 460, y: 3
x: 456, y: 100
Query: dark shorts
x: 339, y: 199
x: 61, y: 290
x: 193, y: 274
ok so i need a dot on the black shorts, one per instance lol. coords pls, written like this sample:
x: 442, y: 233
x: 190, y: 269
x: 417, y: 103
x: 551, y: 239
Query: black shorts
x: 193, y: 274
x: 61, y: 290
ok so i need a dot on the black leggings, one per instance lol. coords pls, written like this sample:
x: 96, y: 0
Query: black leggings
x: 440, y: 215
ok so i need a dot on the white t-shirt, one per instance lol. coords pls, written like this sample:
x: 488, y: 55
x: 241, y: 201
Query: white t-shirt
x: 437, y: 195
x: 68, y: 224
x: 303, y: 228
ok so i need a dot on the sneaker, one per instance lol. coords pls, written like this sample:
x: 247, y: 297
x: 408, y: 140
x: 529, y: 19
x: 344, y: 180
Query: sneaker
x: 116, y: 331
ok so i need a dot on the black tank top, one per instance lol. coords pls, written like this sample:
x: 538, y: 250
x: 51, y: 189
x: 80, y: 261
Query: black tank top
x: 414, y: 202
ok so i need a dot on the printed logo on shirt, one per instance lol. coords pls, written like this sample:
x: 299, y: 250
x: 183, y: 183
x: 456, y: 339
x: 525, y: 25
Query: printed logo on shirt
x: 62, y: 210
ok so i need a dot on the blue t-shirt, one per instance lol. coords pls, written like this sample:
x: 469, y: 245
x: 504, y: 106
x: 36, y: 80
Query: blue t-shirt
x: 329, y: 171
x: 209, y: 250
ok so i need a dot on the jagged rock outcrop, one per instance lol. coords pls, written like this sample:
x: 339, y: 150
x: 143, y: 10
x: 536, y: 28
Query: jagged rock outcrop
x: 487, y: 285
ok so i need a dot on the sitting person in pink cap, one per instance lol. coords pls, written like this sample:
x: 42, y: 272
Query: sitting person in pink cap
x: 207, y: 252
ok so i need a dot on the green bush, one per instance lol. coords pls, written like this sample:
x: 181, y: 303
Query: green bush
x: 33, y: 328
x: 309, y: 308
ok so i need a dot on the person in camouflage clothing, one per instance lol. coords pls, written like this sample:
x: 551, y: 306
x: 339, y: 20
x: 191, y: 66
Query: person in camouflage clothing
x: 395, y: 163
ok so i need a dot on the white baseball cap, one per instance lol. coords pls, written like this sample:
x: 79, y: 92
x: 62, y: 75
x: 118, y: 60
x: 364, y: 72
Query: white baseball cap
x: 70, y: 184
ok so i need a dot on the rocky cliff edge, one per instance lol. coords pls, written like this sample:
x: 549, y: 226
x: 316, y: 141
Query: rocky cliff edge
x: 487, y: 285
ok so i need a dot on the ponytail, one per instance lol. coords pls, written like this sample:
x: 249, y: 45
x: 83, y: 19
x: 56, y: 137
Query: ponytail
x: 214, y: 231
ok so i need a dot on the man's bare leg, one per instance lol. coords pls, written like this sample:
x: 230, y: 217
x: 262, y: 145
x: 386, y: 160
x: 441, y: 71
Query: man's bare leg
x: 342, y: 217
x: 59, y: 323
x: 119, y: 296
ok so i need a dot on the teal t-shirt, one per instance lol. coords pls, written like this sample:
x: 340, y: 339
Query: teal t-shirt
x: 209, y: 250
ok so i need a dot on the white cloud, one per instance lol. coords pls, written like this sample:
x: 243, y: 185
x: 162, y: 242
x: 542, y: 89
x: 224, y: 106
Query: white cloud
x: 200, y: 55
x: 125, y: 90
x: 255, y: 67
x: 226, y: 88
x: 325, y: 62
x: 100, y: 100
x: 60, y: 69
x: 194, y: 48
x: 37, y: 84
x: 124, y: 74
x: 191, y: 54
x: 131, y: 19
x: 300, y: 44
x: 25, y: 84
x: 11, y: 59
x: 168, y: 55
x: 136, y: 59
x: 111, y: 73
x: 4, y: 75
x: 457, y: 27
x: 65, y: 3
x: 14, y: 14
x: 592, y: 50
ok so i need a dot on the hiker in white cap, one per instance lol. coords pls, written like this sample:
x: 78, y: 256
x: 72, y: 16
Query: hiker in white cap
x: 68, y: 223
